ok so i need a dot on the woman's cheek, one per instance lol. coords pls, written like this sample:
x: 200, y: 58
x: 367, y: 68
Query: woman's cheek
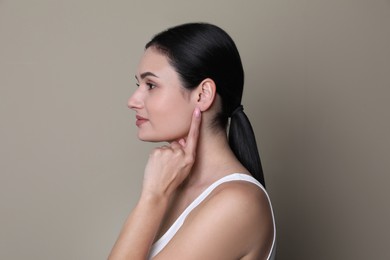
x: 177, y: 127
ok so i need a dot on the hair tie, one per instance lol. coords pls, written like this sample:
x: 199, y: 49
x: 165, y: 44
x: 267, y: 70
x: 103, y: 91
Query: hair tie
x: 240, y: 108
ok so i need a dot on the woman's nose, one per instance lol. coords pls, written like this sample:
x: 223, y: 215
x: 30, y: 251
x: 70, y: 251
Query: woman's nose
x: 135, y: 100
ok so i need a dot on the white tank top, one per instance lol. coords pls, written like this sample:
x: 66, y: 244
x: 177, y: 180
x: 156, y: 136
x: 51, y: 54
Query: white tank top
x: 164, y: 240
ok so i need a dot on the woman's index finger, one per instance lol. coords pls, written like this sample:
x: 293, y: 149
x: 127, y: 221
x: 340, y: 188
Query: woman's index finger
x: 193, y: 134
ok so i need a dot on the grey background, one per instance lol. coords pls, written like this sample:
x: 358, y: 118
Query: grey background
x: 317, y: 93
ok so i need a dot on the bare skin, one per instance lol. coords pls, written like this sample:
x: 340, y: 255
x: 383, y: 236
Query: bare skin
x: 235, y: 220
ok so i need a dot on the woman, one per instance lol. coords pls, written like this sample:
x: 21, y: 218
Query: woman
x: 199, y: 199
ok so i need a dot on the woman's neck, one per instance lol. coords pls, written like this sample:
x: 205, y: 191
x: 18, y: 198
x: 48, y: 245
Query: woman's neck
x: 214, y: 159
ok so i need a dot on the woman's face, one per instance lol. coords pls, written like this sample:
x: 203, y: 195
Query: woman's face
x: 163, y: 107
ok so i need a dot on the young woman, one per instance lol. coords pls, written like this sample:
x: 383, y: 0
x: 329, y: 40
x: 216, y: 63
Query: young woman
x: 203, y: 193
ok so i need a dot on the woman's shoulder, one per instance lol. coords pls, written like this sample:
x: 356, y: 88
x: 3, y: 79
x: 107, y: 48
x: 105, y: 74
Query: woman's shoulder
x: 239, y: 196
x: 233, y: 221
x: 245, y: 210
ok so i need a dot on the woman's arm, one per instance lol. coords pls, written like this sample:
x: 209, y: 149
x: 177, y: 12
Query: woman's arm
x: 167, y: 168
x: 140, y: 228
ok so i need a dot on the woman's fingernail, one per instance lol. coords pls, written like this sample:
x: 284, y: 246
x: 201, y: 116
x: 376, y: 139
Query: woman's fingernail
x: 197, y: 112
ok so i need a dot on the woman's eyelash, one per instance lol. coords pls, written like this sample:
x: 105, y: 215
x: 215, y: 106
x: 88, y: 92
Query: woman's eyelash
x: 149, y: 85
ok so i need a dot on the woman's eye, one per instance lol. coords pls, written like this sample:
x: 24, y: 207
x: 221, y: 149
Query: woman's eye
x: 150, y: 85
x: 137, y: 84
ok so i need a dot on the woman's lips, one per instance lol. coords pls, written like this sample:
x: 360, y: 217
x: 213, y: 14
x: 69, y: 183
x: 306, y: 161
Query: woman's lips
x: 140, y: 120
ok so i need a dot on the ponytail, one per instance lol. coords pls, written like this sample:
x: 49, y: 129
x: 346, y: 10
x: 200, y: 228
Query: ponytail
x: 243, y: 143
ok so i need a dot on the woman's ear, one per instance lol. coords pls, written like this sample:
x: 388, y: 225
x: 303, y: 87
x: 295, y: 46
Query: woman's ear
x: 205, y: 94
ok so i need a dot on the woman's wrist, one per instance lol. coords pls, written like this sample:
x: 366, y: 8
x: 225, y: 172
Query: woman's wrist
x: 154, y: 199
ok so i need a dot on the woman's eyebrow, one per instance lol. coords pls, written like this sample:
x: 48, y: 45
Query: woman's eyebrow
x: 145, y: 74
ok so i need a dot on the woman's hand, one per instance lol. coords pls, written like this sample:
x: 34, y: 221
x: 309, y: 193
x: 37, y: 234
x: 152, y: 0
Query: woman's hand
x: 168, y: 166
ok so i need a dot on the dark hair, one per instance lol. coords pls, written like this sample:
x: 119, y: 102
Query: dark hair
x: 198, y: 51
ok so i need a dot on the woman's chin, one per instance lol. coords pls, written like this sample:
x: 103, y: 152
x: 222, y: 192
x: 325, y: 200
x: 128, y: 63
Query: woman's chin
x: 157, y: 139
x: 150, y: 138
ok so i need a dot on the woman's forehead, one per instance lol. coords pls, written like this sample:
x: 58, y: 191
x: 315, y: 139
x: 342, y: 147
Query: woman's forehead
x: 153, y: 63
